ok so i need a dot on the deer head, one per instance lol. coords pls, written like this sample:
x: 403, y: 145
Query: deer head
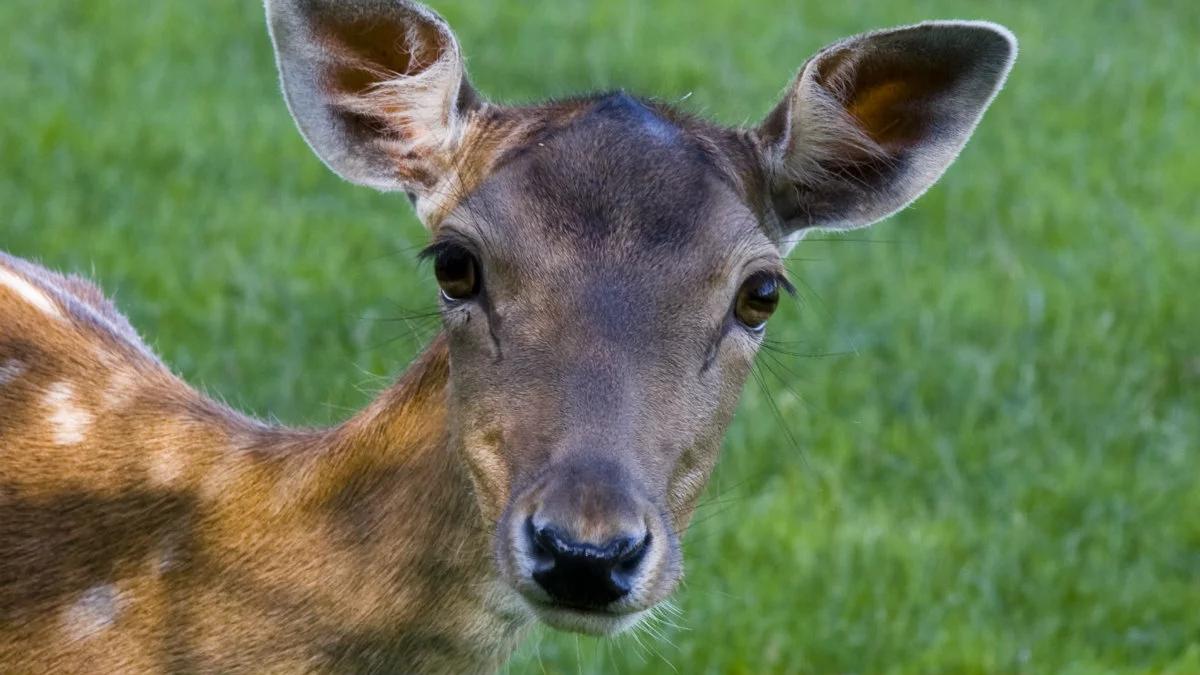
x: 607, y: 265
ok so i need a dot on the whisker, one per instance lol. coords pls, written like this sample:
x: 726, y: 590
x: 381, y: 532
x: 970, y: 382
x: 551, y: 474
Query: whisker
x: 774, y: 407
x: 850, y: 240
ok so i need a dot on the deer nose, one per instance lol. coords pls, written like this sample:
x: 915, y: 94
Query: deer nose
x: 584, y: 575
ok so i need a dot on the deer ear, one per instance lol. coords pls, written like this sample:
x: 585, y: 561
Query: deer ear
x: 377, y: 87
x: 872, y: 121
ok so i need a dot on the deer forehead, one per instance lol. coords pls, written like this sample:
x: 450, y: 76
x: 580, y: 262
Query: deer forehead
x: 619, y: 172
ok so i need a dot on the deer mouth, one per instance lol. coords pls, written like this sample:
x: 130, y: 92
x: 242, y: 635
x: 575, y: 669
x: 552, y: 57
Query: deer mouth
x: 599, y: 622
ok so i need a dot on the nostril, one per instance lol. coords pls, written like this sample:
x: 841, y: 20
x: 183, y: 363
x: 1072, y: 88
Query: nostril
x: 542, y: 546
x: 625, y: 571
x: 629, y: 560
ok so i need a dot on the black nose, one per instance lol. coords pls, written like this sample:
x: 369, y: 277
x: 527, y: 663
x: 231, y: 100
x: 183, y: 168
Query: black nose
x: 584, y: 575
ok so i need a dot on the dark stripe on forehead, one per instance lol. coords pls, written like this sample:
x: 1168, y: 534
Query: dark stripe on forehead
x: 621, y: 173
x: 641, y: 119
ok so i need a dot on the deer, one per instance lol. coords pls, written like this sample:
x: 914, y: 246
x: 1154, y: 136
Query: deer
x: 605, y: 265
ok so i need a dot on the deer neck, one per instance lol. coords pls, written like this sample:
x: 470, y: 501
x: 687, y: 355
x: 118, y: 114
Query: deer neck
x: 383, y: 536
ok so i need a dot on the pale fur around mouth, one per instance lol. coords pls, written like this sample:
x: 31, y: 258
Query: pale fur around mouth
x: 588, y: 622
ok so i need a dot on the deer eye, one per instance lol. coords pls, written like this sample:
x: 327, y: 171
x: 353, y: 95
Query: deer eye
x: 756, y: 301
x: 457, y: 273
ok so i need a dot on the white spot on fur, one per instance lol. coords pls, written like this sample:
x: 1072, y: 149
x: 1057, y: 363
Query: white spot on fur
x: 10, y: 370
x: 28, y: 292
x: 167, y: 557
x: 70, y: 422
x: 166, y: 560
x: 94, y: 611
x: 166, y: 468
x: 122, y: 383
x: 120, y: 388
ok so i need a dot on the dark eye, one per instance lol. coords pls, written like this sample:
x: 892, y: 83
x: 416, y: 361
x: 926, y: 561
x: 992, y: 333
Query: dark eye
x: 756, y: 301
x: 457, y: 273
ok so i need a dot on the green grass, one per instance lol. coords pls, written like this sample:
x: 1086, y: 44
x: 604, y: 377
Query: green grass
x: 1002, y: 473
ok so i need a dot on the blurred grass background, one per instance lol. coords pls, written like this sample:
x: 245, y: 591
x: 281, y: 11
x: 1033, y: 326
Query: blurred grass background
x: 997, y: 468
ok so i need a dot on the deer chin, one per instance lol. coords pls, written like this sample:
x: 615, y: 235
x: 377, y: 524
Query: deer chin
x: 588, y: 622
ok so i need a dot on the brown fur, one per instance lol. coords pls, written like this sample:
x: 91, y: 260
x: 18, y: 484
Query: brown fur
x: 258, y: 545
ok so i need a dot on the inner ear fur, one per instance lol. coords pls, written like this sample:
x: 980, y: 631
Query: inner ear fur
x: 871, y: 122
x: 377, y: 87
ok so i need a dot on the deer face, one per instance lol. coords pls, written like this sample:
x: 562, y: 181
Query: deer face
x: 607, y: 266
x: 618, y: 284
